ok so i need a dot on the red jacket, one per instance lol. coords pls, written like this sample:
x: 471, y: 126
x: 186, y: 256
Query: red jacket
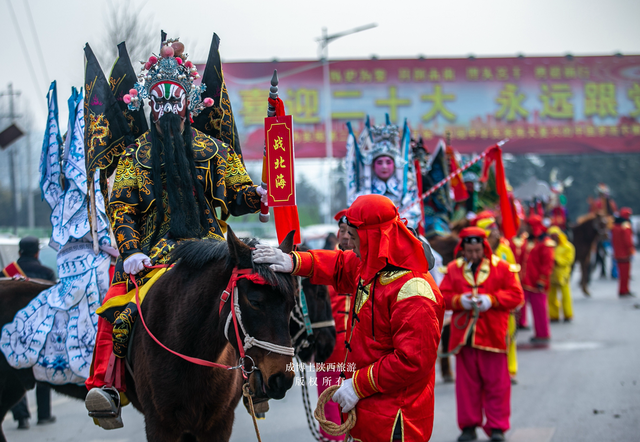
x: 622, y: 241
x: 394, y: 343
x: 340, y: 307
x: 494, y: 277
x: 539, y: 265
x: 520, y: 248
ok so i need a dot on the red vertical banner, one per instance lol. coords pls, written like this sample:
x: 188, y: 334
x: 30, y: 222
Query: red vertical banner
x: 280, y: 161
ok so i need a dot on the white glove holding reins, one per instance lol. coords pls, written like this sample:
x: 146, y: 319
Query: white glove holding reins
x: 280, y: 261
x: 136, y: 263
x: 263, y: 195
x: 346, y: 396
x: 484, y: 303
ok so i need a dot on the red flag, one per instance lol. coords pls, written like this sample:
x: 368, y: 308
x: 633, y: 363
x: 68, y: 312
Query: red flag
x: 457, y: 183
x: 285, y: 217
x: 494, y: 155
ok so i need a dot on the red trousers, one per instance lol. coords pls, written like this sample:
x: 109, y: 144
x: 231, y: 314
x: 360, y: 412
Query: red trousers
x: 540, y: 310
x: 624, y: 271
x: 104, y: 344
x: 482, y: 384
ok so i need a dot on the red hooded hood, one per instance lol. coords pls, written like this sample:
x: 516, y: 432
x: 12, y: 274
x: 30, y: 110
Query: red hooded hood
x: 384, y: 239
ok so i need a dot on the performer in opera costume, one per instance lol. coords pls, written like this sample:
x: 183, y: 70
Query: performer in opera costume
x: 395, y: 321
x: 564, y: 256
x: 167, y: 187
x: 537, y: 278
x: 381, y: 162
x: 502, y: 249
x: 482, y: 282
x: 55, y: 333
x: 623, y: 249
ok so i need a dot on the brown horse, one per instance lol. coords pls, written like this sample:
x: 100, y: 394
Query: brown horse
x: 586, y: 234
x: 14, y: 296
x: 188, y: 402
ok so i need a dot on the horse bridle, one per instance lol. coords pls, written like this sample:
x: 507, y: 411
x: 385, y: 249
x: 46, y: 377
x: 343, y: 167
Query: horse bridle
x: 235, y: 315
x: 300, y: 315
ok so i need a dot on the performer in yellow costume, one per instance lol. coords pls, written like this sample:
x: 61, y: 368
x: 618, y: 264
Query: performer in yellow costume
x: 564, y: 255
x: 501, y: 248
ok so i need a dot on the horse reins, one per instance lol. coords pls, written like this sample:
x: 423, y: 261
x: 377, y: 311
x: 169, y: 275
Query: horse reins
x: 234, y: 316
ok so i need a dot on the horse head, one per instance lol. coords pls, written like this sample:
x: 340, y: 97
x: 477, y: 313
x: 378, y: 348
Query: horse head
x: 319, y: 346
x: 264, y: 325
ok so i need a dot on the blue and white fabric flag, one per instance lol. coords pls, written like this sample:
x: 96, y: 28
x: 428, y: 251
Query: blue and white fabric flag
x: 55, y: 334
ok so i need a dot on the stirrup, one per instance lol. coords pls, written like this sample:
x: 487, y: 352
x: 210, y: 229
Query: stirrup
x: 103, y: 404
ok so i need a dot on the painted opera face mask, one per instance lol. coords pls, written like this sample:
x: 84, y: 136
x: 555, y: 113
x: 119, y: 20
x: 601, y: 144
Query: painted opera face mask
x: 384, y: 167
x: 168, y: 97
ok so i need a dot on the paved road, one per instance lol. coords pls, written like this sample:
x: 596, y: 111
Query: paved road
x: 584, y: 387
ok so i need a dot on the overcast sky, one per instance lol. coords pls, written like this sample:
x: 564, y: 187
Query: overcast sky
x: 263, y: 30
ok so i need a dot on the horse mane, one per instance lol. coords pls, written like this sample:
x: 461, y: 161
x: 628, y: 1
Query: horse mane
x: 195, y: 254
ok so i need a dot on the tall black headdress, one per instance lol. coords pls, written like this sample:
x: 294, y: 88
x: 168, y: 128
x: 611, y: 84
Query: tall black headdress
x: 217, y: 120
x: 105, y: 129
x: 122, y: 80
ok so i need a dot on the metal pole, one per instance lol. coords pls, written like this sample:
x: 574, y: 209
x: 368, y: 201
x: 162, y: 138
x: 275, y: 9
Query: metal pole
x: 328, y: 126
x: 31, y: 218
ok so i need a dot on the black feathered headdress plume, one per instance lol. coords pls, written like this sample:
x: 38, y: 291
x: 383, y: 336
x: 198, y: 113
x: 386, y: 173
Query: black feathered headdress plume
x: 217, y: 120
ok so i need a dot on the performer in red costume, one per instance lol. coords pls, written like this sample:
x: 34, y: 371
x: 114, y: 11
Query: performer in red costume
x: 395, y: 323
x: 479, y: 279
x: 539, y: 266
x: 623, y: 250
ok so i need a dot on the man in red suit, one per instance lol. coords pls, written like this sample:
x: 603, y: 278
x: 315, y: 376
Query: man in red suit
x: 536, y: 281
x: 623, y: 249
x: 481, y: 289
x: 395, y: 323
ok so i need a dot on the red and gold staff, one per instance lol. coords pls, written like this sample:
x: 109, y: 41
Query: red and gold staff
x: 623, y: 250
x: 481, y: 289
x: 395, y: 321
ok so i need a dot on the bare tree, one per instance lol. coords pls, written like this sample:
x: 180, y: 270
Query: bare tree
x: 133, y: 25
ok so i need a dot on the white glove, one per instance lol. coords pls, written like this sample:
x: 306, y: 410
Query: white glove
x: 280, y: 261
x: 135, y: 263
x: 484, y: 303
x: 263, y: 195
x: 467, y: 302
x: 346, y: 396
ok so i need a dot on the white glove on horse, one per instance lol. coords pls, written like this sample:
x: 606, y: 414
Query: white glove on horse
x: 466, y: 301
x: 484, y: 303
x: 346, y: 396
x: 263, y: 195
x: 280, y: 262
x: 136, y: 263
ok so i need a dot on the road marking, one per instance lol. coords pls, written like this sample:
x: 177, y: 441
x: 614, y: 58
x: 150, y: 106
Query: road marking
x: 570, y: 346
x: 532, y: 435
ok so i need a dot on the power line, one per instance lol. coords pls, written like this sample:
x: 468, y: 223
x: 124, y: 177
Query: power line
x: 24, y: 46
x: 37, y: 40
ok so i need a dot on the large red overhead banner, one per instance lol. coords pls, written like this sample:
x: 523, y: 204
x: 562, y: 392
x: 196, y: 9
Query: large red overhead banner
x: 546, y: 105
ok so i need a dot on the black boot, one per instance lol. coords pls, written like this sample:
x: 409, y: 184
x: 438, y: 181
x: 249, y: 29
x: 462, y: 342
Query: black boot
x: 23, y: 424
x: 468, y: 433
x: 497, y: 435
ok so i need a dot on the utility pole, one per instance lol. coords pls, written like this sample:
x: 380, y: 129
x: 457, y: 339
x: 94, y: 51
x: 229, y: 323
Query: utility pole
x: 12, y: 156
x: 323, y: 53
